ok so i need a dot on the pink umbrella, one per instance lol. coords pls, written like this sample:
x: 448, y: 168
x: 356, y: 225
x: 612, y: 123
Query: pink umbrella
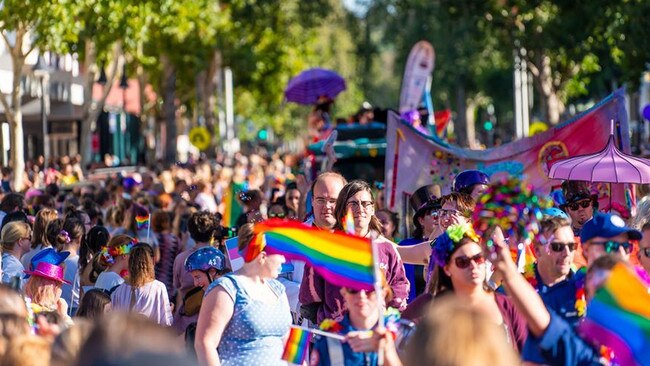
x: 610, y: 165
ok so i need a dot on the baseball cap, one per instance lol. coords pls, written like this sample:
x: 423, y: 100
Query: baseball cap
x: 607, y: 226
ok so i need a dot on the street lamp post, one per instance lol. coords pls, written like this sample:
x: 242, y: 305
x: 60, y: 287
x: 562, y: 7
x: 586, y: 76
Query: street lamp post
x: 40, y: 71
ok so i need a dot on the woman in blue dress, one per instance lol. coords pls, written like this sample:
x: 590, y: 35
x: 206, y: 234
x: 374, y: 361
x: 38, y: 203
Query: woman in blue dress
x: 245, y: 315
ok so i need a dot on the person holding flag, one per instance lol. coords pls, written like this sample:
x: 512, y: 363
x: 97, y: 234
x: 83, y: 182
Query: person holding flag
x: 245, y: 314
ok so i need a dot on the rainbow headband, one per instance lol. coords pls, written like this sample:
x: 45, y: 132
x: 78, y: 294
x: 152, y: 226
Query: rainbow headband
x: 254, y: 248
x: 109, y: 253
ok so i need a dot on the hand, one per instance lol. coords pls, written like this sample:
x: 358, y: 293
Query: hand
x: 46, y: 330
x: 302, y: 184
x: 499, y: 255
x: 363, y: 341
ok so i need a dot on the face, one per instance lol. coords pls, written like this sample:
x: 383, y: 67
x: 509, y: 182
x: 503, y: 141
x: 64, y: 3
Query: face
x: 25, y: 243
x: 87, y: 223
x: 272, y: 264
x: 292, y: 199
x: 276, y: 211
x: 471, y: 276
x: 579, y: 214
x: 387, y: 225
x: 643, y: 244
x: 429, y: 221
x: 361, y: 304
x: 596, y: 247
x: 478, y: 191
x: 450, y: 215
x: 558, y: 262
x: 200, y: 279
x: 326, y: 191
x: 362, y: 207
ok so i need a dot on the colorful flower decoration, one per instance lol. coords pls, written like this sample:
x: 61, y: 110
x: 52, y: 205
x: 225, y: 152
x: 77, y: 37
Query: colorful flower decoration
x: 109, y: 253
x: 391, y: 320
x: 581, y: 298
x: 330, y: 325
x: 444, y: 244
x: 66, y: 236
x: 512, y: 205
x: 529, y: 275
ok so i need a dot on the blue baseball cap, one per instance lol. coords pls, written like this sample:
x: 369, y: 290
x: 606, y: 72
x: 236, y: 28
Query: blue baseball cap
x: 607, y: 226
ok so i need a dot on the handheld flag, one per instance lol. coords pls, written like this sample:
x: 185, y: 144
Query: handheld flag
x: 349, y: 223
x: 235, y: 259
x: 343, y: 260
x: 618, y: 318
x: 142, y: 222
x: 297, y: 346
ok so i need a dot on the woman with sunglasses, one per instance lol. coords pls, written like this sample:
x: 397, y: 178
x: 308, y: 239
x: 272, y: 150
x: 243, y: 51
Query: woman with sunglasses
x: 359, y: 319
x: 460, y: 269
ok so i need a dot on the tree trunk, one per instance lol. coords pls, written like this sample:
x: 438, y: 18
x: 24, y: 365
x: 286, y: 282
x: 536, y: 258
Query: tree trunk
x: 169, y: 107
x: 470, y: 115
x: 17, y: 156
x: 91, y: 108
x: 551, y: 105
x: 460, y: 123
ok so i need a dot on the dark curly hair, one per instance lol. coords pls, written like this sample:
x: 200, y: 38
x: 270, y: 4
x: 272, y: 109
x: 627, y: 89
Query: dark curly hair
x: 202, y: 226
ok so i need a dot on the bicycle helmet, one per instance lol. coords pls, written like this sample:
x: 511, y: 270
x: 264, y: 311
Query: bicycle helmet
x: 468, y: 178
x: 205, y: 258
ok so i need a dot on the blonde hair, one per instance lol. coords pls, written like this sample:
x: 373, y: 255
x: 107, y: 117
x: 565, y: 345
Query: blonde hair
x: 141, y: 268
x: 43, y: 291
x: 43, y: 217
x: 12, y: 233
x: 452, y: 333
x: 28, y: 350
x: 66, y: 346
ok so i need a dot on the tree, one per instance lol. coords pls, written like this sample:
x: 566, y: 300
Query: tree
x: 25, y: 26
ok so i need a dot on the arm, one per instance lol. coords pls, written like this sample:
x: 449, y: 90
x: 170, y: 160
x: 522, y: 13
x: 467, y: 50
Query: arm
x: 415, y: 254
x: 303, y: 186
x: 216, y: 311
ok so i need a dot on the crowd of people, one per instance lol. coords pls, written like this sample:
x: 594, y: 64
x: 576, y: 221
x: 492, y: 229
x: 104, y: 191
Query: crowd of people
x: 132, y: 267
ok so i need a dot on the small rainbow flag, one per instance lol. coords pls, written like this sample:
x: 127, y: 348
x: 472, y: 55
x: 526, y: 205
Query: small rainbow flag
x: 236, y: 260
x: 342, y: 259
x: 618, y: 318
x: 297, y: 346
x: 142, y: 222
x: 349, y: 223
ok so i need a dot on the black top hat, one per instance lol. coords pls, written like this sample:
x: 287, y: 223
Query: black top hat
x: 576, y: 190
x: 424, y: 199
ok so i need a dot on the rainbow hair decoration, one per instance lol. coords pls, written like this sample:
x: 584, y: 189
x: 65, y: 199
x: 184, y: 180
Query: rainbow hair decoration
x: 447, y: 242
x: 254, y: 248
x: 109, y: 253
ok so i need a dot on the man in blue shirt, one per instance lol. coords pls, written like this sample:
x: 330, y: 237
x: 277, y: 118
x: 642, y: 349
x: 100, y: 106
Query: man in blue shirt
x: 561, y: 288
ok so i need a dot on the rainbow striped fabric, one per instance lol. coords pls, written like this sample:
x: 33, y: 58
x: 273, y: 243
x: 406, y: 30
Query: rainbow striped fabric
x: 342, y: 259
x: 297, y: 346
x: 142, y: 222
x: 618, y: 318
x: 232, y: 206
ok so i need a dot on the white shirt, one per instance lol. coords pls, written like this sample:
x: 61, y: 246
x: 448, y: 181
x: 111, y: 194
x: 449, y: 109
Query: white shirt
x: 151, y: 300
x: 107, y: 280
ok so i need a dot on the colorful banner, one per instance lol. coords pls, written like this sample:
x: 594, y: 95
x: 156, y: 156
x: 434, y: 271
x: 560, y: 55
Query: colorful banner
x: 232, y: 206
x: 414, y: 160
x: 419, y: 67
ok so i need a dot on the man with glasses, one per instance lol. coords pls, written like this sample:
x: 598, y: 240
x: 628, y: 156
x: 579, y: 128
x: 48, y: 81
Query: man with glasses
x: 552, y: 277
x: 313, y: 289
x: 607, y: 233
x: 644, y: 248
x: 579, y: 204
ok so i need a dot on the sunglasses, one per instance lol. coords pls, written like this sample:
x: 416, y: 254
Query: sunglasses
x: 355, y: 291
x: 612, y: 246
x: 464, y: 262
x: 449, y: 213
x: 575, y: 205
x: 646, y: 252
x: 278, y: 215
x: 559, y: 246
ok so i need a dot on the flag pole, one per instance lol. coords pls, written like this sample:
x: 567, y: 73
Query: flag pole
x: 148, y: 227
x: 322, y: 333
x: 380, y: 299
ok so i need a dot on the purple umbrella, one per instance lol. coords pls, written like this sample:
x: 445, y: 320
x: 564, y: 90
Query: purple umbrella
x: 311, y: 84
x: 610, y: 165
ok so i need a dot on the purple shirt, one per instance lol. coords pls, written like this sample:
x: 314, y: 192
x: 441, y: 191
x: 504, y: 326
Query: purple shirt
x: 314, y: 288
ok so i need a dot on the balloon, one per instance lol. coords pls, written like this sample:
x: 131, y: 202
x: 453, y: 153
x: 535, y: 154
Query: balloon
x: 646, y: 112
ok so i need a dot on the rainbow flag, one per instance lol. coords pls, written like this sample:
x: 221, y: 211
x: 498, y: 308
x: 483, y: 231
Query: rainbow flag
x: 297, y: 346
x: 142, y: 222
x: 236, y: 260
x: 349, y: 223
x: 618, y: 318
x: 233, y: 207
x: 342, y: 259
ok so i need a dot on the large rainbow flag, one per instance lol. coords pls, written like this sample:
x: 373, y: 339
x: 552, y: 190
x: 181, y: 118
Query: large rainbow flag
x: 233, y: 207
x: 618, y: 318
x: 342, y: 259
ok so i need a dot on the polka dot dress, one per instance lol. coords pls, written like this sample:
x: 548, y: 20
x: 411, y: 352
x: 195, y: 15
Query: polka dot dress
x: 254, y: 334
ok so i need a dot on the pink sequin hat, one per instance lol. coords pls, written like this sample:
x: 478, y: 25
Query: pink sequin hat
x: 49, y: 271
